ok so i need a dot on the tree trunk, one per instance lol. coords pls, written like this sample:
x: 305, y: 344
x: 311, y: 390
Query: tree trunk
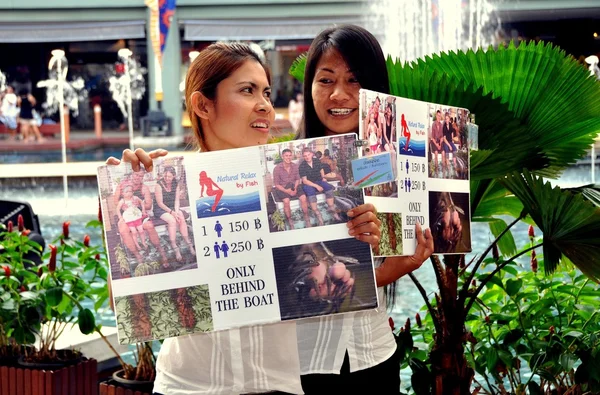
x: 452, y: 375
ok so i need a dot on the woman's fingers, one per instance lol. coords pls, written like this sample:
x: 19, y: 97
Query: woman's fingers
x: 363, y: 208
x: 143, y: 158
x: 424, y: 244
x: 138, y: 157
x: 112, y: 161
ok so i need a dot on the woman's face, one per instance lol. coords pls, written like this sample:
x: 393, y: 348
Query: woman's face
x: 242, y: 114
x: 335, y: 94
x: 168, y: 176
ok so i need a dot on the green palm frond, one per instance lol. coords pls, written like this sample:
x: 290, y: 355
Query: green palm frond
x: 569, y: 222
x: 590, y: 192
x: 297, y: 68
x: 497, y: 124
x: 548, y: 93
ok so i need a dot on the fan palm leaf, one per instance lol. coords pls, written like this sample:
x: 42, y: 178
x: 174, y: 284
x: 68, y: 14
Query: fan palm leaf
x: 297, y: 68
x: 570, y: 223
x: 549, y: 94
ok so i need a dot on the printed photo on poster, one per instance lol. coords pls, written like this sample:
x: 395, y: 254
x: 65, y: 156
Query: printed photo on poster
x: 448, y: 148
x: 374, y: 170
x: 215, y: 201
x: 449, y: 218
x: 148, y: 227
x: 378, y: 123
x: 157, y: 315
x: 390, y: 243
x: 324, y: 278
x: 309, y: 182
x: 389, y: 189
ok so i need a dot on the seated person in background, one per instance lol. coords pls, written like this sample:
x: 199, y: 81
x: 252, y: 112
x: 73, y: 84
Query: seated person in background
x: 131, y: 210
x: 330, y: 168
x: 314, y: 182
x: 286, y: 186
x: 136, y: 180
x: 437, y: 135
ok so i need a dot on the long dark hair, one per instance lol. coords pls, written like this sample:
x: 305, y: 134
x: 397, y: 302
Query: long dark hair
x: 364, y: 57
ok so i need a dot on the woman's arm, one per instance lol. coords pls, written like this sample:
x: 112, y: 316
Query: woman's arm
x: 392, y: 268
x: 142, y: 205
x: 31, y: 99
x: 177, y: 193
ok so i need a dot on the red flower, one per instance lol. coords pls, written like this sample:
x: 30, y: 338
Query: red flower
x: 25, y: 232
x: 495, y: 252
x: 6, y: 271
x: 40, y: 272
x: 52, y: 262
x: 552, y: 330
x: 418, y: 319
x: 534, y: 263
x: 119, y: 68
x: 86, y: 240
x: 22, y: 289
x: 391, y: 322
x: 66, y: 229
x: 531, y: 232
x: 97, y: 257
x: 9, y: 226
x: 407, y: 326
x: 487, y: 319
x: 20, y: 223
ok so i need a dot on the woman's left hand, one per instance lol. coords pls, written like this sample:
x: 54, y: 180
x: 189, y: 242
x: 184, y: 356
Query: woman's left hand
x: 364, y: 225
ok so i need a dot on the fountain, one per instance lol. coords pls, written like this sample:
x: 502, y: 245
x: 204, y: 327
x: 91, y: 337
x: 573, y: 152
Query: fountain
x: 411, y: 29
x: 127, y: 84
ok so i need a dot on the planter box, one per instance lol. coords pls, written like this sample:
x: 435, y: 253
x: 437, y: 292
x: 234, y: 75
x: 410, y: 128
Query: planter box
x: 71, y: 380
x: 111, y: 389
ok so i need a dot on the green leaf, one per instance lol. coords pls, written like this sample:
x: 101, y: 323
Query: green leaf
x: 569, y: 223
x: 298, y: 66
x: 529, y: 87
x: 492, y: 360
x: 534, y: 388
x: 513, y: 286
x: 54, y: 296
x: 28, y: 295
x: 86, y: 321
x: 567, y: 361
x: 506, y: 244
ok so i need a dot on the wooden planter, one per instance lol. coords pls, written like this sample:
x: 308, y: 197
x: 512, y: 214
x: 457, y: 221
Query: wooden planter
x: 109, y: 388
x: 71, y: 380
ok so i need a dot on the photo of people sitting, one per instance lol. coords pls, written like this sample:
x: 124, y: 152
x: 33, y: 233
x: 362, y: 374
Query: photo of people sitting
x: 379, y: 124
x: 448, y: 150
x: 149, y: 223
x: 307, y: 184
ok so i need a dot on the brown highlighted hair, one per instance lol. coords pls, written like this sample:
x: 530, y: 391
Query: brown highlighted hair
x: 214, y: 64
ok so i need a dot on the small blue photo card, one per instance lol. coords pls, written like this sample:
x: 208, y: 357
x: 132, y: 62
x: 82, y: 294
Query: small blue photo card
x: 373, y: 170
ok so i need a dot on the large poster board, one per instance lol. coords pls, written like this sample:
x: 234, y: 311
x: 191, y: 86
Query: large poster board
x: 232, y: 238
x: 429, y: 147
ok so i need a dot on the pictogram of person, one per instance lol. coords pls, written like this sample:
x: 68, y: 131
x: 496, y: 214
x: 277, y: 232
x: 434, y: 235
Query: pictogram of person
x: 405, y: 132
x: 218, y: 228
x: 224, y: 248
x: 208, y: 183
x: 407, y: 166
x: 217, y: 249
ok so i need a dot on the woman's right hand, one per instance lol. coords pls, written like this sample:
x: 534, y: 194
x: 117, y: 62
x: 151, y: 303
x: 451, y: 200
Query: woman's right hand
x: 137, y: 157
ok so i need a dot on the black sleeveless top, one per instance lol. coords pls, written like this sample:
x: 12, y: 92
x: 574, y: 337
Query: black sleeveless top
x: 26, y: 108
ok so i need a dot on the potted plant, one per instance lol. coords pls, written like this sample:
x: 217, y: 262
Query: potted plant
x: 39, y: 301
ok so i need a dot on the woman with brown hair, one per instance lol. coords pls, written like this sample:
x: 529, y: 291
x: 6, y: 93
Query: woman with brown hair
x: 228, y: 100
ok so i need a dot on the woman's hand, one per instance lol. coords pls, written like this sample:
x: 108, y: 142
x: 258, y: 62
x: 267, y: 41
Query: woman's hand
x: 364, y: 225
x: 392, y: 268
x: 137, y: 157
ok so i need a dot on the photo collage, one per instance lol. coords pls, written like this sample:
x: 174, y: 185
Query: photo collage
x: 220, y: 240
x: 432, y: 160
